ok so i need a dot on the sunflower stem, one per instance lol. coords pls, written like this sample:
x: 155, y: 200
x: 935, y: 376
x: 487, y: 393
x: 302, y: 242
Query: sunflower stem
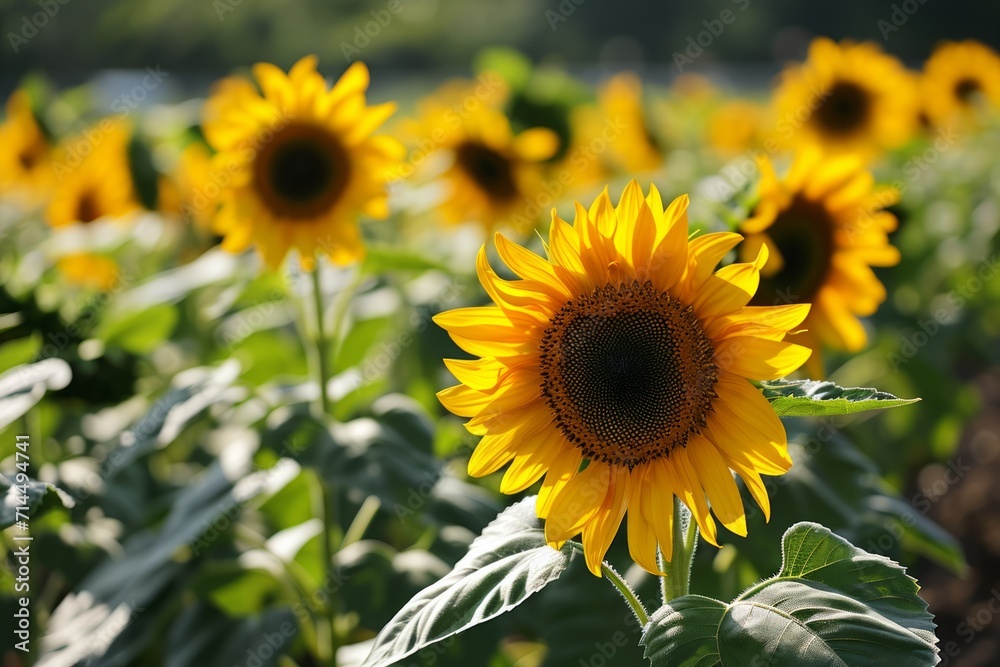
x: 627, y: 593
x: 322, y: 344
x: 329, y: 515
x: 326, y: 631
x: 677, y: 581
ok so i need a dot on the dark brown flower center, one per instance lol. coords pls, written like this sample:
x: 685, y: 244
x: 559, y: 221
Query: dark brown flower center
x: 803, y: 234
x: 31, y: 156
x: 490, y: 170
x: 628, y: 373
x: 844, y: 109
x: 966, y: 89
x: 301, y: 172
x: 87, y: 208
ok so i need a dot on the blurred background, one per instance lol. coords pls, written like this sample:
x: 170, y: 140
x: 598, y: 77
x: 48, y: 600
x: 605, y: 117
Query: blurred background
x: 941, y: 459
x: 204, y: 38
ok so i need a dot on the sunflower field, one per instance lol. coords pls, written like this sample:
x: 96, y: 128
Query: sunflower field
x: 512, y: 364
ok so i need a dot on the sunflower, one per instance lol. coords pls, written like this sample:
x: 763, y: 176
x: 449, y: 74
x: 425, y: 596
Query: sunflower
x: 824, y: 227
x: 94, y: 179
x: 583, y: 167
x: 618, y: 368
x: 958, y: 79
x: 846, y: 97
x: 491, y: 175
x: 190, y: 192
x: 296, y: 161
x: 25, y: 151
x: 636, y: 149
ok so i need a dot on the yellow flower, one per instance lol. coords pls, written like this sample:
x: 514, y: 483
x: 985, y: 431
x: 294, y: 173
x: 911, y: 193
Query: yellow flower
x: 636, y: 149
x: 583, y: 166
x: 824, y: 228
x: 735, y: 127
x: 491, y: 175
x: 25, y: 152
x: 846, y: 97
x: 89, y: 270
x: 190, y: 191
x: 958, y: 79
x: 297, y: 161
x: 624, y: 354
x: 93, y: 177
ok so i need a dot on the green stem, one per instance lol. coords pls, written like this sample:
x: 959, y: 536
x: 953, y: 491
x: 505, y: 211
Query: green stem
x: 361, y: 521
x: 322, y: 344
x: 329, y: 516
x: 326, y: 630
x: 627, y: 593
x: 677, y: 581
x: 624, y: 589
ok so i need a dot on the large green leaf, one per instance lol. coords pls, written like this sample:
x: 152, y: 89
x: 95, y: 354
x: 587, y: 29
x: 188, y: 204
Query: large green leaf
x: 124, y: 599
x: 504, y: 566
x: 141, y: 331
x: 814, y: 398
x: 23, y: 386
x: 26, y: 499
x: 831, y: 604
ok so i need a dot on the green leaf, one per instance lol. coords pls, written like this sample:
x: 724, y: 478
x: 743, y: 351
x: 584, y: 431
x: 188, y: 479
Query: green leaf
x: 140, y: 332
x: 236, y: 590
x: 144, y: 176
x: 20, y: 351
x: 831, y: 604
x: 382, y: 258
x: 200, y: 635
x: 30, y: 497
x: 504, y: 566
x: 814, y: 398
x: 124, y: 599
x: 23, y: 386
x: 194, y: 392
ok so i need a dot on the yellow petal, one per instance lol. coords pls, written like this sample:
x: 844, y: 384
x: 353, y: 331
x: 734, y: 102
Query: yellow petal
x: 641, y: 537
x: 601, y: 530
x: 536, y: 144
x: 577, y: 503
x: 759, y: 358
x: 719, y: 484
x: 743, y: 424
x: 527, y: 468
x: 564, y: 467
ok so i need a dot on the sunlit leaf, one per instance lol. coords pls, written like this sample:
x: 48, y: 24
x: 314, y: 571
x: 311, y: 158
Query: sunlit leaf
x: 831, y: 604
x: 504, y: 566
x: 814, y: 398
x: 23, y: 499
